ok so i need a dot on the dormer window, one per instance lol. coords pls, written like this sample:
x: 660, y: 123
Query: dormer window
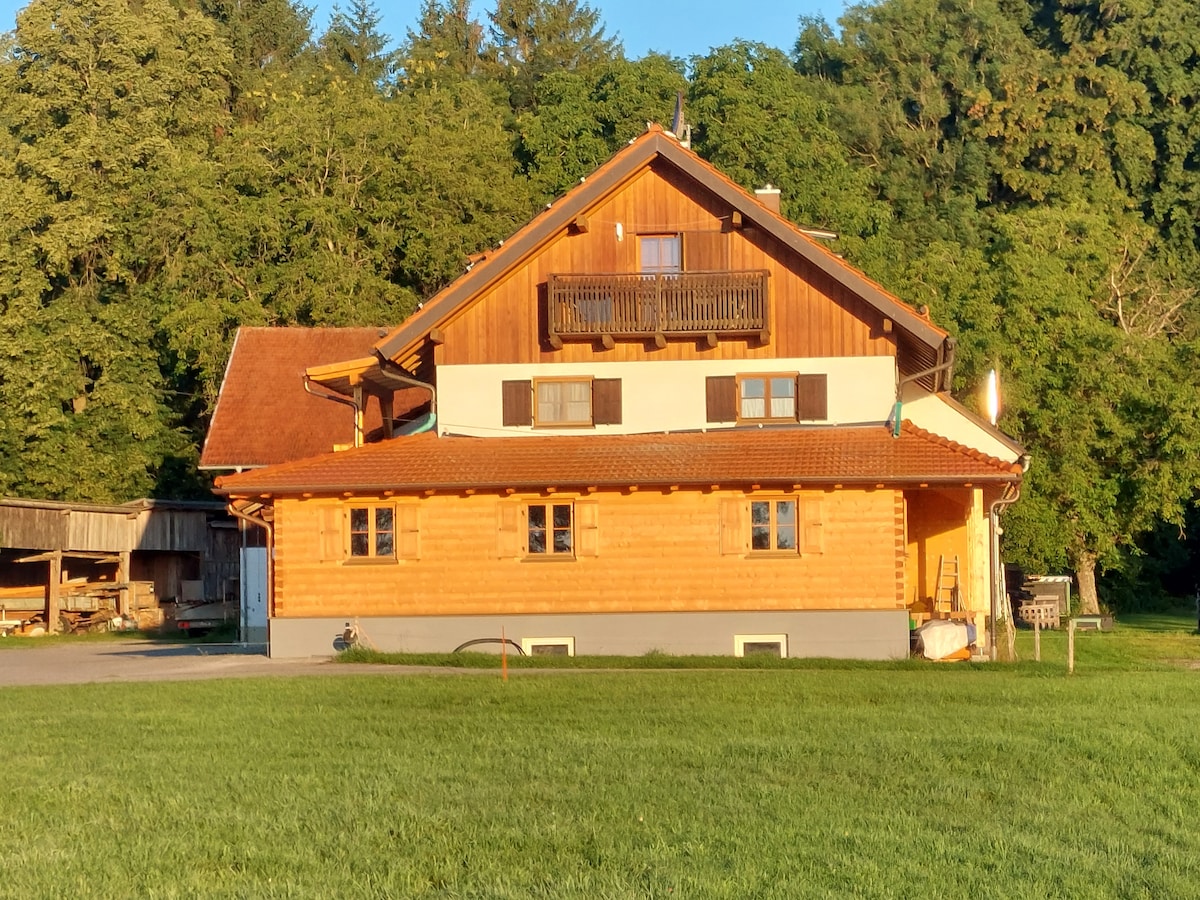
x: 661, y: 254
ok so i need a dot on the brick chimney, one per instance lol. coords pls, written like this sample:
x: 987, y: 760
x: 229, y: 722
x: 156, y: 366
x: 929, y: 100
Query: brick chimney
x: 769, y: 197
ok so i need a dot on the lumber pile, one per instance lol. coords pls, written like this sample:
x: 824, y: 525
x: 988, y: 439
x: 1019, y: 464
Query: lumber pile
x: 83, y: 606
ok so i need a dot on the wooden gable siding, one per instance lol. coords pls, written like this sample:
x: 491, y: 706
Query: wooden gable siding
x: 654, y: 551
x: 812, y: 315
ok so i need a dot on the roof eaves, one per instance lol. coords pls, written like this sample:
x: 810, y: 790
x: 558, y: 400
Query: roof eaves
x: 248, y: 490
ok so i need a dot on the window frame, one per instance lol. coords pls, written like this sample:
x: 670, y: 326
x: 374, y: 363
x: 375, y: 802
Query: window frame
x: 373, y: 533
x: 549, y: 529
x: 660, y: 238
x: 587, y: 380
x: 766, y: 378
x: 741, y: 640
x: 528, y: 644
x: 773, y: 526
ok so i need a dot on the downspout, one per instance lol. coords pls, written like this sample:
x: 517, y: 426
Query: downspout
x: 338, y: 398
x: 266, y: 526
x: 946, y: 366
x: 399, y: 374
x: 1012, y: 493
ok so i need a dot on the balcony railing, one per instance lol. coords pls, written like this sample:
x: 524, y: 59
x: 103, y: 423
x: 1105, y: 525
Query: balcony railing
x: 688, y: 304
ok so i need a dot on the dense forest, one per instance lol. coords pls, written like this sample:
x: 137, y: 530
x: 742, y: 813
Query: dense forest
x: 1029, y: 169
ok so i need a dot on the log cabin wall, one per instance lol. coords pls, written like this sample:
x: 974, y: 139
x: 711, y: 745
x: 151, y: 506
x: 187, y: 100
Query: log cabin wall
x: 655, y: 551
x: 811, y: 315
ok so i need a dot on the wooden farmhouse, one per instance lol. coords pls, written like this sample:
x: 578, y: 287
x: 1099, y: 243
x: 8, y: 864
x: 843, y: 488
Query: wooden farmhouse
x: 660, y: 417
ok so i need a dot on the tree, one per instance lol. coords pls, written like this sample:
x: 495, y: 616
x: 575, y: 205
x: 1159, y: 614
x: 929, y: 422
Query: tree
x: 105, y: 106
x: 580, y: 118
x: 354, y: 42
x: 448, y: 39
x: 755, y: 120
x: 532, y: 38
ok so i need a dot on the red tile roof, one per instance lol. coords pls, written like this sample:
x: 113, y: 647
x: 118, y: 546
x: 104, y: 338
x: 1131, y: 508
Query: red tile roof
x: 264, y: 416
x: 732, y: 456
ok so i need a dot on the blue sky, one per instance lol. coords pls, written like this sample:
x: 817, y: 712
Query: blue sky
x: 677, y: 27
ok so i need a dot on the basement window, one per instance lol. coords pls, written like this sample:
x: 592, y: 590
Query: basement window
x: 756, y: 644
x: 548, y: 646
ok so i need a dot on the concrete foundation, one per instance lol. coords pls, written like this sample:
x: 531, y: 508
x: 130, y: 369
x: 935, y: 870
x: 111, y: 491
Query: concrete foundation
x: 841, y: 634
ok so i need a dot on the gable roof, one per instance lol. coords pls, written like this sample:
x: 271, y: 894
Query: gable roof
x: 782, y: 456
x: 618, y: 170
x: 265, y: 416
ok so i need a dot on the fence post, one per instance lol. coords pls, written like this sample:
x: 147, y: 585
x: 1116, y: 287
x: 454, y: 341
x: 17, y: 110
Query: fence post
x: 1070, y: 646
x: 1037, y: 638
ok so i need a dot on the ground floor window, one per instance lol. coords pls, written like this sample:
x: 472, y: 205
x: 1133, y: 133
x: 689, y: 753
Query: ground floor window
x: 372, y: 532
x: 550, y: 529
x: 773, y: 524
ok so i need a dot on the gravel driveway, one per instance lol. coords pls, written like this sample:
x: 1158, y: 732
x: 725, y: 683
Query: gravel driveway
x: 140, y: 660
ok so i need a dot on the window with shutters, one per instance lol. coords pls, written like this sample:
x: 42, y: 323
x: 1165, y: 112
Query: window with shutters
x: 373, y: 532
x: 784, y: 525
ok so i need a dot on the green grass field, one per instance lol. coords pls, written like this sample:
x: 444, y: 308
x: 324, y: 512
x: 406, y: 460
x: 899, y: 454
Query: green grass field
x: 879, y: 780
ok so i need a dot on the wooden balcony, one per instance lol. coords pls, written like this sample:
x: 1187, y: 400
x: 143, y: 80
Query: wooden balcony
x: 690, y: 304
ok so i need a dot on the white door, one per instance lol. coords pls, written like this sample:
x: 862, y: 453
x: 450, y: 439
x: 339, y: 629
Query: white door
x: 254, y: 595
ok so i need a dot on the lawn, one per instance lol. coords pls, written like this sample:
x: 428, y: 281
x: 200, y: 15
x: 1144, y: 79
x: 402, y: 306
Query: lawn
x: 833, y: 780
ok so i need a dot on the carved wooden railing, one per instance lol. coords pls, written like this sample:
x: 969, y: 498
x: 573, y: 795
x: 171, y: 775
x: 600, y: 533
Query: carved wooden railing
x: 689, y: 304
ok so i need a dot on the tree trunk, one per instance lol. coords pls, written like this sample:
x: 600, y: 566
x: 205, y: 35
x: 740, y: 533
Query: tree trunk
x: 1085, y: 571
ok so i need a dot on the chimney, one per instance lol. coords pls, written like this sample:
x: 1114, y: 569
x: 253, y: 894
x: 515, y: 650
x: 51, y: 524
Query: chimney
x: 769, y: 197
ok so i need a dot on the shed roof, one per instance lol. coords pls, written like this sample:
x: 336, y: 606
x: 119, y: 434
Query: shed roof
x: 791, y: 455
x: 264, y: 416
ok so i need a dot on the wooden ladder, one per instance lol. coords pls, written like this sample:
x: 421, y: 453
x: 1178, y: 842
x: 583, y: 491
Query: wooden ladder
x: 947, y: 598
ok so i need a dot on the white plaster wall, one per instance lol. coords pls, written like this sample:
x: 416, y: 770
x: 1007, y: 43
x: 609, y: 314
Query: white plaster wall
x: 931, y: 412
x: 660, y: 395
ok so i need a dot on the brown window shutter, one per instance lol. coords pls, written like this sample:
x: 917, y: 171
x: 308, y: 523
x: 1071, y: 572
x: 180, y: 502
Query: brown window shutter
x: 705, y: 251
x: 510, y: 541
x: 518, y: 402
x: 332, y: 538
x: 734, y: 532
x: 720, y: 395
x: 812, y: 397
x: 408, y: 532
x: 587, y: 527
x: 606, y: 401
x: 812, y: 540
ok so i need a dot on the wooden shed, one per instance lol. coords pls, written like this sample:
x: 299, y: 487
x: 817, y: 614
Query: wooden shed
x: 144, y: 549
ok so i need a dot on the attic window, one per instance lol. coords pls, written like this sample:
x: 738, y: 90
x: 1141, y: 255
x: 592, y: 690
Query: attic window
x: 661, y: 254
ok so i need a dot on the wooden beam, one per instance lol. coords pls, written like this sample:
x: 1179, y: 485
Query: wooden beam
x: 580, y: 224
x: 437, y: 336
x: 736, y: 219
x: 711, y: 340
x: 53, y: 586
x: 606, y: 340
x: 555, y: 342
x: 887, y: 326
x: 660, y: 340
x: 123, y: 576
x: 764, y: 336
